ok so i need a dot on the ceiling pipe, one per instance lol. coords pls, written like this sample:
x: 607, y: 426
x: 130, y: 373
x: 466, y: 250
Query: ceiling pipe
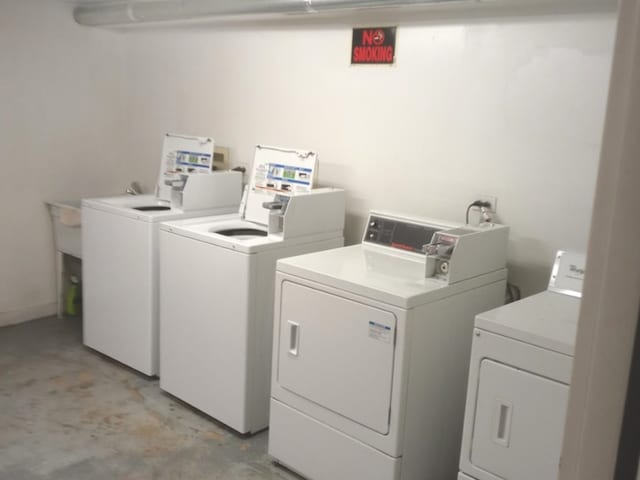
x: 139, y: 11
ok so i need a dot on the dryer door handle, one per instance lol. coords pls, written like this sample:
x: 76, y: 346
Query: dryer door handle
x: 294, y: 337
x: 502, y: 417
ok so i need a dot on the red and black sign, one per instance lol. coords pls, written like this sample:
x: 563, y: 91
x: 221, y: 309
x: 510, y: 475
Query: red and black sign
x: 373, y: 45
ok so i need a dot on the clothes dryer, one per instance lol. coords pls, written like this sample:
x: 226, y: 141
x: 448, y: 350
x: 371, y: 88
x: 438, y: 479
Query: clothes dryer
x: 217, y: 283
x: 519, y: 378
x: 371, y: 349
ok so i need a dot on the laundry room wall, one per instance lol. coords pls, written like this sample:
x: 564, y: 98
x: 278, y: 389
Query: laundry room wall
x: 61, y: 130
x: 509, y: 104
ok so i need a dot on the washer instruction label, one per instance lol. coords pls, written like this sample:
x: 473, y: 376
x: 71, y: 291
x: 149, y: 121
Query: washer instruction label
x: 378, y: 331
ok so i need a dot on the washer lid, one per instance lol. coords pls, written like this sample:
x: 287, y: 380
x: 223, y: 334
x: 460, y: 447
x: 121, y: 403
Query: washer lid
x: 548, y: 320
x: 144, y: 208
x: 277, y: 170
x: 182, y: 155
x: 141, y: 207
x: 211, y: 230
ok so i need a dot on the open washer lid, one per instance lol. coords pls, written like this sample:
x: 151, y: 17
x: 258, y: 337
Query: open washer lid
x: 182, y: 155
x: 276, y: 170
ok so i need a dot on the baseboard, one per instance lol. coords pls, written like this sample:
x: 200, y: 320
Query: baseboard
x: 27, y: 313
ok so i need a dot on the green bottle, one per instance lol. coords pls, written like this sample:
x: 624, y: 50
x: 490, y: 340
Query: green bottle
x: 72, y: 300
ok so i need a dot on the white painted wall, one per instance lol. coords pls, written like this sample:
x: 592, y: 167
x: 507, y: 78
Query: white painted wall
x: 509, y: 106
x: 61, y: 117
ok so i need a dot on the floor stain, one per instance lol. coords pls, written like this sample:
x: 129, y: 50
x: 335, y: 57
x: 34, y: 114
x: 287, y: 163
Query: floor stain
x: 28, y: 383
x: 67, y: 425
x: 133, y: 391
x: 59, y: 381
x: 215, y: 436
x: 85, y: 379
x: 113, y: 420
x: 82, y: 381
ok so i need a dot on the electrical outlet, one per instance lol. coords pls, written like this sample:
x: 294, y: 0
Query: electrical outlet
x: 488, y: 198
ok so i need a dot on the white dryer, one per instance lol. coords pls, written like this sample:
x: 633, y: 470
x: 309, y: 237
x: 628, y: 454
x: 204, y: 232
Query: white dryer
x: 519, y: 378
x: 120, y: 248
x: 371, y: 349
x: 217, y: 283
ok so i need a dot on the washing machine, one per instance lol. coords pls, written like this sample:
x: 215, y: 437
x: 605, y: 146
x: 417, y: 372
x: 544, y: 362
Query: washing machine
x: 217, y: 283
x: 371, y: 349
x: 120, y: 248
x: 519, y: 377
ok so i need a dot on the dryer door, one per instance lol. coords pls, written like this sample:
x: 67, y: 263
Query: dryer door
x: 337, y: 353
x: 518, y: 424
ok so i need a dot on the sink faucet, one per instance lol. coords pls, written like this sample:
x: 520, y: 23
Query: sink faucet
x: 134, y: 189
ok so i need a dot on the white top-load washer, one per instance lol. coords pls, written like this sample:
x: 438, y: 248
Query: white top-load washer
x: 217, y: 282
x: 120, y: 249
x: 519, y: 378
x: 371, y: 349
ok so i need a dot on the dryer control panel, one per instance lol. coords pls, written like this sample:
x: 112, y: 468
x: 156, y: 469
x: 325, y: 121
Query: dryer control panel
x: 399, y: 233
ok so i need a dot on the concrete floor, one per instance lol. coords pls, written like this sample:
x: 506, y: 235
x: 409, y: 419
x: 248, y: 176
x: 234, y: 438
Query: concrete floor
x: 69, y: 413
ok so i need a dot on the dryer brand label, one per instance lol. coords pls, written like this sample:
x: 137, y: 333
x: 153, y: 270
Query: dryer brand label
x: 380, y: 332
x: 567, y: 275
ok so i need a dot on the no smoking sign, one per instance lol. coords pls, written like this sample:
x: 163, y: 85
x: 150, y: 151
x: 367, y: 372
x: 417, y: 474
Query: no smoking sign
x: 374, y: 45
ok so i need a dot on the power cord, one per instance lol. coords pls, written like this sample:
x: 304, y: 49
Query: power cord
x: 513, y: 293
x: 479, y: 204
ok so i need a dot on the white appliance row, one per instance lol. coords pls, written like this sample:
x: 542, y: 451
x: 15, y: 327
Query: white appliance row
x: 251, y: 312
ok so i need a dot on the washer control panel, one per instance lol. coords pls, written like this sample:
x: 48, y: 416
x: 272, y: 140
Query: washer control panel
x: 400, y: 234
